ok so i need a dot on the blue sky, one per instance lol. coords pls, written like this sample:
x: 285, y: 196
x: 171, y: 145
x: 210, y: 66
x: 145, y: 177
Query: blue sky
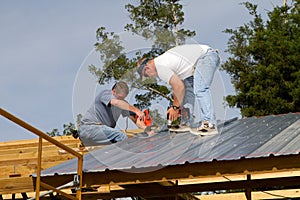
x: 44, y: 43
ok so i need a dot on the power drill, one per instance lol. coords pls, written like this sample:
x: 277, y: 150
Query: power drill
x: 184, y: 115
x: 147, y: 118
x: 175, y: 123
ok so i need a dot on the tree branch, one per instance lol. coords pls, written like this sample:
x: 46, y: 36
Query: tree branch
x: 158, y: 92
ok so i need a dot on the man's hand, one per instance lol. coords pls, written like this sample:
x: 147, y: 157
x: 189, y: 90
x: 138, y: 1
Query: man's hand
x: 140, y: 123
x: 173, y: 114
x: 140, y: 114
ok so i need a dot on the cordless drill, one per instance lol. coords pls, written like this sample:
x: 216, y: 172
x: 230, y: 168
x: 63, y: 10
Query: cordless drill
x: 147, y: 118
x: 184, y: 115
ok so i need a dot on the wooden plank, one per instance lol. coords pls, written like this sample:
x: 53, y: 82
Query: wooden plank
x: 274, y: 194
x: 33, y: 154
x: 29, y: 155
x: 28, y: 145
x: 36, y: 140
x: 238, y: 177
x: 27, y: 161
x: 25, y: 170
x: 33, y: 143
x: 16, y: 185
x: 33, y: 149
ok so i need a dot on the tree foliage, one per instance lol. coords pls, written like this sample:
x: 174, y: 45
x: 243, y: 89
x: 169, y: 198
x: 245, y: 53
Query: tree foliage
x: 68, y: 129
x: 154, y: 20
x: 265, y: 62
x: 159, y: 20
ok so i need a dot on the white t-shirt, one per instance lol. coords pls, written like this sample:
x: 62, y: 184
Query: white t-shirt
x: 179, y: 60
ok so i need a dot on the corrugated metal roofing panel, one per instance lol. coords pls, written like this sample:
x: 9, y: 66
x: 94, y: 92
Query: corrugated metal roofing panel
x: 250, y: 137
x: 283, y: 143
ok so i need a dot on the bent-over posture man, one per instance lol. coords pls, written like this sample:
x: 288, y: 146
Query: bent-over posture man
x: 97, y: 127
x: 189, y: 70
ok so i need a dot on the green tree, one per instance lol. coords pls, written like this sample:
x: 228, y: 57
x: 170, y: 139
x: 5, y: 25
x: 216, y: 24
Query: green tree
x: 265, y: 62
x: 159, y: 20
x: 53, y: 133
x: 68, y: 129
x: 155, y: 20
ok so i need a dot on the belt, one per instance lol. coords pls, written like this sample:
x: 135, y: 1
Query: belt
x: 92, y: 123
x: 212, y: 50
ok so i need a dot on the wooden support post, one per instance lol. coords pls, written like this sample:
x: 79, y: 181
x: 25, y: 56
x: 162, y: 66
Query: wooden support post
x: 248, y: 190
x: 39, y: 168
x: 79, y: 172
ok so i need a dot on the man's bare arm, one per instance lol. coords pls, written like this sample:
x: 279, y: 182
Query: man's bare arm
x: 126, y: 106
x: 178, y: 89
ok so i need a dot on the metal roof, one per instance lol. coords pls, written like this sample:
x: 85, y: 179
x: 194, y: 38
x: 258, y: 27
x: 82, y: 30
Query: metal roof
x: 245, y: 138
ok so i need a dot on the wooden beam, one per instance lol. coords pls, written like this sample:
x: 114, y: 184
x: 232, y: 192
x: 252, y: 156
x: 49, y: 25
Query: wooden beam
x: 237, y: 177
x: 16, y: 151
x: 10, y: 156
x: 26, y: 168
x: 186, y: 196
x: 33, y: 160
x: 16, y: 185
x: 248, y: 190
x: 215, y: 168
x: 258, y: 195
x: 19, y: 144
x: 155, y: 190
x: 270, y: 194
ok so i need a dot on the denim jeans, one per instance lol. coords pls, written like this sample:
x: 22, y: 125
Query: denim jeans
x: 189, y: 99
x: 92, y: 135
x: 203, y: 77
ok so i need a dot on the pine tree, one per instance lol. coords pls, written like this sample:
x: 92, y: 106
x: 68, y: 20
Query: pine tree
x: 265, y: 62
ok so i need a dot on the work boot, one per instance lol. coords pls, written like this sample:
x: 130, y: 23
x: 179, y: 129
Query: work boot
x: 206, y: 128
x: 180, y: 128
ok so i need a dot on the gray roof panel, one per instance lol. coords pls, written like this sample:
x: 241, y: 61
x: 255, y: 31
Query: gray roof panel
x: 250, y: 138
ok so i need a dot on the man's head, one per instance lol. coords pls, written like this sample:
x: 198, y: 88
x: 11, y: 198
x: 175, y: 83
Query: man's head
x: 146, y: 68
x: 120, y: 90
